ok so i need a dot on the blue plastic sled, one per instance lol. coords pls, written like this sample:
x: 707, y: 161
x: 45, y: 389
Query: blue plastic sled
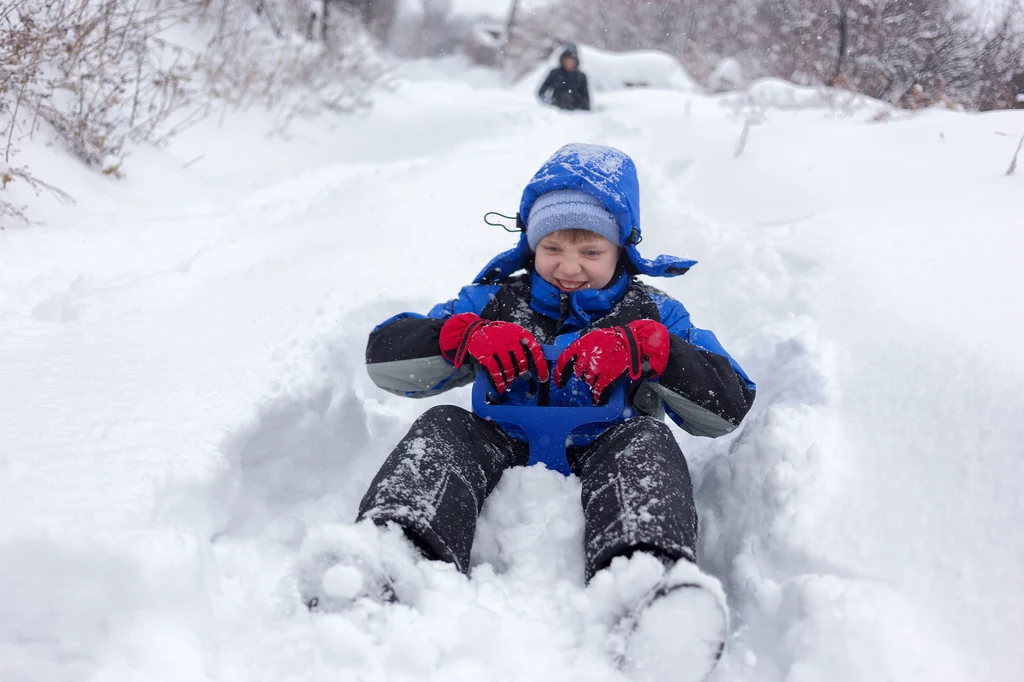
x: 547, y: 428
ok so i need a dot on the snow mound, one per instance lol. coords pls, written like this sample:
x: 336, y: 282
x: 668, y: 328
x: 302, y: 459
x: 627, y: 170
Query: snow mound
x: 775, y: 93
x: 610, y: 71
x: 728, y: 75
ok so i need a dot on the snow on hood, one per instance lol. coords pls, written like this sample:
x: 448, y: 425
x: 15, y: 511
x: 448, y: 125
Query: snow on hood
x: 608, y: 174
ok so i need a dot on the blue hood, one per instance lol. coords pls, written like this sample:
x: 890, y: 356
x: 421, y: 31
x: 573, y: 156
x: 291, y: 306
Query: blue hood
x: 607, y: 174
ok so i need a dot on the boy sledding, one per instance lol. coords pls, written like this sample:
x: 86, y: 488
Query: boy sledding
x: 571, y: 284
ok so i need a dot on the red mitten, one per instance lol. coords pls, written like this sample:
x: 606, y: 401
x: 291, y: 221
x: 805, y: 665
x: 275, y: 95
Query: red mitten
x: 505, y: 350
x: 604, y: 356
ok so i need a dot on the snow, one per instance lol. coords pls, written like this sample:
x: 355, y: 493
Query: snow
x: 728, y: 75
x: 774, y: 93
x: 184, y: 403
x: 610, y: 71
x: 494, y: 8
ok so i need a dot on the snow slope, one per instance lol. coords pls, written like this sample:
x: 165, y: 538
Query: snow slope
x: 183, y: 398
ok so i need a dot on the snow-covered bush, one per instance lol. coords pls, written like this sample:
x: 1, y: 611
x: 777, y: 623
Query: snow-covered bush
x: 428, y: 28
x: 909, y: 53
x: 95, y: 72
x: 100, y: 74
x: 13, y: 213
x: 289, y: 55
x: 484, y: 42
x: 377, y: 16
x: 912, y: 54
x: 530, y: 42
x: 1001, y: 63
x: 728, y: 75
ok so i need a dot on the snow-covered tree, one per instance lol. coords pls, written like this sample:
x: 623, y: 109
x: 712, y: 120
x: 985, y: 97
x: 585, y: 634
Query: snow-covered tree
x: 100, y: 74
x: 910, y: 52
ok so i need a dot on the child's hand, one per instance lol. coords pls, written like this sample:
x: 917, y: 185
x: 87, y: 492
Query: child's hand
x: 505, y: 350
x: 604, y: 356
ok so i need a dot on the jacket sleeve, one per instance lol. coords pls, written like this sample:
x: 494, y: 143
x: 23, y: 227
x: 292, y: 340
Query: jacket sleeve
x: 705, y: 391
x: 548, y: 83
x: 585, y: 94
x: 403, y: 353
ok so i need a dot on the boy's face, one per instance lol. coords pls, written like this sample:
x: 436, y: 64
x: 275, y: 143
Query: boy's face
x: 574, y: 260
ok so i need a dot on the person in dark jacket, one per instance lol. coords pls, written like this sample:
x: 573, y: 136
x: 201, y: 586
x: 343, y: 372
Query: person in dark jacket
x: 566, y: 86
x: 571, y: 282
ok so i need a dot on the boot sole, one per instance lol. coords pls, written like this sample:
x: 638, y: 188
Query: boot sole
x: 677, y: 633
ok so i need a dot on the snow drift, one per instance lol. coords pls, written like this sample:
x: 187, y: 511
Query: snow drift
x: 184, y: 402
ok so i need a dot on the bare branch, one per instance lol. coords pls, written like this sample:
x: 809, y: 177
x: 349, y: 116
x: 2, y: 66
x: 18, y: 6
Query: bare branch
x: 1013, y: 163
x: 101, y: 75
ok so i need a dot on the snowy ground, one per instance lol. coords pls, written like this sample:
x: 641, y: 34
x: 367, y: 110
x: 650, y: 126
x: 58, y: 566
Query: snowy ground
x: 182, y: 396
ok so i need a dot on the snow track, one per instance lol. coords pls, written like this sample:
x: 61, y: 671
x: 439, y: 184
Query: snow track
x: 183, y: 396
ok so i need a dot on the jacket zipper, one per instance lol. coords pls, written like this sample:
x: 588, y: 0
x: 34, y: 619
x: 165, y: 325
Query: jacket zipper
x: 563, y: 312
x: 544, y: 391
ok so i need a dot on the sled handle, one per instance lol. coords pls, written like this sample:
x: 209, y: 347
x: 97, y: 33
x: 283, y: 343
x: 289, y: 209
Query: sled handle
x: 547, y: 428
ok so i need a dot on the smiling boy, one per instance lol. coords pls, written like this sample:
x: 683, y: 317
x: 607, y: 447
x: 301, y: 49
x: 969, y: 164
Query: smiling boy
x: 580, y: 292
x: 576, y: 259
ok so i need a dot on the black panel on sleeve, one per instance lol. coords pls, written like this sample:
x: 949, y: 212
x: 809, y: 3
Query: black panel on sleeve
x: 405, y: 339
x: 707, y: 380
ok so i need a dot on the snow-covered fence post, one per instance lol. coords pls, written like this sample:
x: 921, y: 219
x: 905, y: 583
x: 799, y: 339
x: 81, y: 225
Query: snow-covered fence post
x: 755, y: 115
x: 742, y: 144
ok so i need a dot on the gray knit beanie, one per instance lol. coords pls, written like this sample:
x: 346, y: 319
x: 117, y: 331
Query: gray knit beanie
x: 567, y: 209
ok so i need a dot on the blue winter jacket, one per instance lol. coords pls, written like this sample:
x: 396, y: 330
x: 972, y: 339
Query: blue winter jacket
x: 703, y: 389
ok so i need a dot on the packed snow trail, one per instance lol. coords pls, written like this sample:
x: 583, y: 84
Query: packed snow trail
x: 183, y: 395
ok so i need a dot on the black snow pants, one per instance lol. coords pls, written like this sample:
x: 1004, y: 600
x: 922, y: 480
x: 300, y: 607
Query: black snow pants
x: 637, y: 494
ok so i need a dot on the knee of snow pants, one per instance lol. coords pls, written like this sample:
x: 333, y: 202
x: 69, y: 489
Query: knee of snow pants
x: 637, y: 494
x: 435, y: 481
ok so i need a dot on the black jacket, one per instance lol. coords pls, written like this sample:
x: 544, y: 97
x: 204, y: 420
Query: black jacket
x: 568, y: 89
